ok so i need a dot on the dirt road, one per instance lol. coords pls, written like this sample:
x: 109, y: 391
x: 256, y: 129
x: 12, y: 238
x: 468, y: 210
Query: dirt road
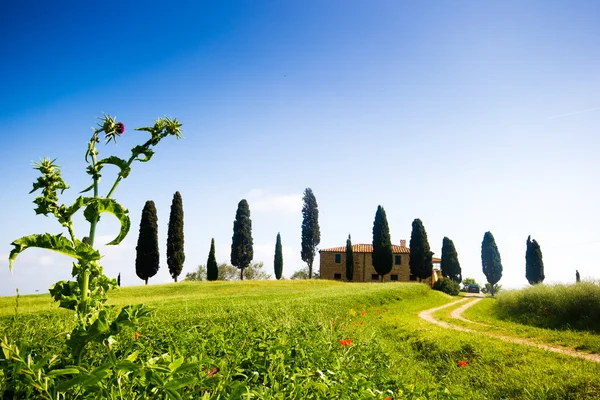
x: 427, y: 315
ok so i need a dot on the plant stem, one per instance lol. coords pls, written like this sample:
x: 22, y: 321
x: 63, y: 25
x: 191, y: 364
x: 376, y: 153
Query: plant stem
x: 118, y: 180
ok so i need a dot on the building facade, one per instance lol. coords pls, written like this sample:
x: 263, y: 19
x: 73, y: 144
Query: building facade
x: 333, y: 264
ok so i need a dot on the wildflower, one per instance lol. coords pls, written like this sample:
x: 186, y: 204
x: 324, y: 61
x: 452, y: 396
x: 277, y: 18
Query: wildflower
x: 462, y: 363
x: 362, y: 313
x: 136, y: 335
x: 119, y: 128
x: 362, y: 323
x: 345, y: 342
x: 332, y: 327
x: 388, y: 398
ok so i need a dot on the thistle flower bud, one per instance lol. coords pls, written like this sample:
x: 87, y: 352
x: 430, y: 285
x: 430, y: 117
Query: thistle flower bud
x: 119, y: 128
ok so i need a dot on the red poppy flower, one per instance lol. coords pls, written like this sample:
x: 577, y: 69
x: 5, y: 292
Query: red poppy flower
x: 346, y: 342
x: 462, y: 363
x: 136, y: 335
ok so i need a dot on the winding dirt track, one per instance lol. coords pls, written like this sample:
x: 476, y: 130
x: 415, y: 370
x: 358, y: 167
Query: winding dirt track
x: 427, y: 315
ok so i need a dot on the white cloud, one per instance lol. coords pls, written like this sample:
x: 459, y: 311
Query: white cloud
x: 46, y: 261
x: 4, y: 258
x: 264, y: 201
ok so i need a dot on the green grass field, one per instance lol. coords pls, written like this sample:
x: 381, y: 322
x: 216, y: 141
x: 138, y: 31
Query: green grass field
x: 281, y: 339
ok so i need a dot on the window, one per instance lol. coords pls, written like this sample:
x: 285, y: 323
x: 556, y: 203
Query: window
x: 397, y: 260
x: 412, y: 277
x: 337, y: 276
x: 374, y: 277
x: 338, y: 258
x: 393, y: 277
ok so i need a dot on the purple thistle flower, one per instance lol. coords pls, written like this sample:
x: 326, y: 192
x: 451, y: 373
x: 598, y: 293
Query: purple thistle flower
x: 120, y: 128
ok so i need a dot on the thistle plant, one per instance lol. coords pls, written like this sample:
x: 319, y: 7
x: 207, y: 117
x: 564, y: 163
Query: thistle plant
x: 87, y: 293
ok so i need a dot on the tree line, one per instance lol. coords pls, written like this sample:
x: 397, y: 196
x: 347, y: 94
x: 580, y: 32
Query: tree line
x: 420, y: 260
x: 147, y: 261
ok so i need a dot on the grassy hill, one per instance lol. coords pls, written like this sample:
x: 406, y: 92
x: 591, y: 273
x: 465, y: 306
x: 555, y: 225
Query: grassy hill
x: 313, y: 339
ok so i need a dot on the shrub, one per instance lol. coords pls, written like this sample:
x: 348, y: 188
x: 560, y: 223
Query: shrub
x: 447, y: 286
x: 560, y: 306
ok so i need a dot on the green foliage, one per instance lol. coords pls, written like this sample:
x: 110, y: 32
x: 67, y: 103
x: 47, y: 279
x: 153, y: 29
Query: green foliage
x: 447, y: 286
x: 349, y: 260
x: 534, y: 265
x: 147, y: 254
x: 265, y: 341
x: 560, y: 306
x: 490, y: 260
x: 383, y: 257
x: 466, y: 282
x: 302, y: 273
x: 421, y: 263
x: 311, y: 233
x: 175, y: 253
x: 68, y: 372
x: 450, y: 266
x: 241, y: 243
x: 212, y: 270
x: 80, y: 251
x: 200, y: 274
x: 488, y: 288
x: 278, y: 260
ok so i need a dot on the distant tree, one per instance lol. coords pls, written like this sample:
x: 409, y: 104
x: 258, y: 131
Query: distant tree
x: 577, y: 277
x: 490, y: 261
x: 175, y: 253
x: 119, y: 280
x: 421, y: 262
x: 212, y: 270
x: 198, y: 275
x: 466, y: 282
x: 450, y: 266
x: 349, y: 260
x: 534, y: 265
x: 241, y: 246
x: 278, y: 260
x: 383, y: 257
x: 488, y: 288
x: 311, y: 234
x: 228, y: 272
x: 147, y: 255
x: 255, y: 272
x: 303, y: 274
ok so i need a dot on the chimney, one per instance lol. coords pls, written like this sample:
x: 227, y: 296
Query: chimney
x: 403, y: 243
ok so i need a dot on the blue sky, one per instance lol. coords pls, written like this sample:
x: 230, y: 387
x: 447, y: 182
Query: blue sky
x: 472, y: 116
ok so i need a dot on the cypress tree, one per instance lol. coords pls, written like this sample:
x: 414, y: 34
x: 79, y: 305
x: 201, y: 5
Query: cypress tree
x: 450, y: 266
x: 175, y: 253
x: 241, y: 242
x: 349, y: 260
x: 278, y: 261
x: 147, y: 255
x: 534, y: 265
x: 119, y: 280
x: 383, y: 256
x: 490, y: 260
x: 311, y: 234
x: 421, y: 263
x: 577, y: 277
x: 212, y: 269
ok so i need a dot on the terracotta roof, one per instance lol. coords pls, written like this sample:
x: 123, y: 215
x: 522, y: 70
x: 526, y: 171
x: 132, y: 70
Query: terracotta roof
x: 365, y: 248
x: 368, y: 248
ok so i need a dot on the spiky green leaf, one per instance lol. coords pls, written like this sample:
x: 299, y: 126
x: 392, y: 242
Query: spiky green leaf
x: 119, y: 162
x: 139, y: 151
x: 58, y: 243
x: 98, y: 205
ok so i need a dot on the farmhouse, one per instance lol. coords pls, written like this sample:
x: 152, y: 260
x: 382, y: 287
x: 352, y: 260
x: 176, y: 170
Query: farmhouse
x: 333, y: 264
